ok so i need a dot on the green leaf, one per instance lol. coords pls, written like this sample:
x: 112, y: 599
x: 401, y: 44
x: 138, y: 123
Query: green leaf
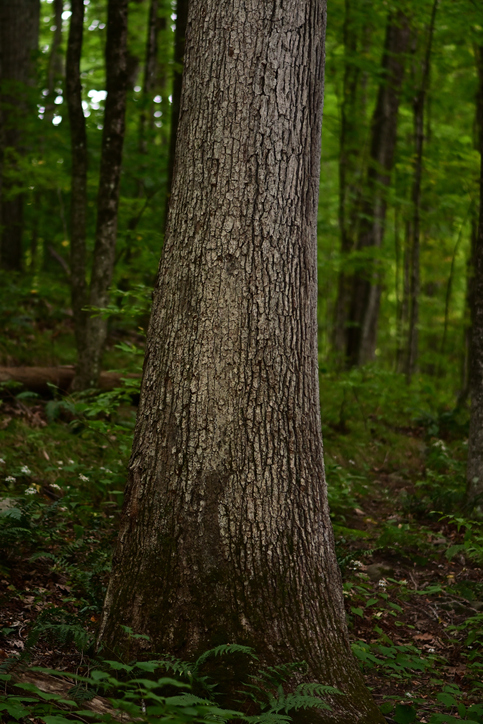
x: 117, y: 666
x: 404, y: 714
x: 447, y: 699
x: 14, y: 708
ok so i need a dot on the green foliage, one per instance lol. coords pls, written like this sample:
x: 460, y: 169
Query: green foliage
x: 135, y: 690
x: 472, y: 544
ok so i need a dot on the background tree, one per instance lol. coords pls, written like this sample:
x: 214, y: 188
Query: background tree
x: 475, y: 438
x: 226, y: 535
x: 179, y: 47
x: 356, y: 39
x: 415, y: 226
x: 366, y: 288
x: 91, y: 331
x: 19, y: 35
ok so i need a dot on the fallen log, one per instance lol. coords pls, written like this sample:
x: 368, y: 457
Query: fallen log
x: 61, y: 687
x: 37, y: 379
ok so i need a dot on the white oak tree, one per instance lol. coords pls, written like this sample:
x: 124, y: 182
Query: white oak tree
x: 225, y: 534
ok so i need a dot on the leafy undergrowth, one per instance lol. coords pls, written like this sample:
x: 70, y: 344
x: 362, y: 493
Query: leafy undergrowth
x: 409, y: 552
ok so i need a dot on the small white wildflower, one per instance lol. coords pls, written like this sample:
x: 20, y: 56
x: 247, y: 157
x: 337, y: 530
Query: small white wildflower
x: 382, y: 583
x: 30, y: 491
x: 431, y: 651
x: 2, y: 461
x: 351, y: 462
x: 55, y: 486
x: 10, y: 479
x: 83, y: 477
x: 71, y: 462
x: 106, y: 470
x: 403, y: 582
x: 60, y: 462
x: 357, y: 564
x: 408, y: 693
x: 440, y: 444
x: 25, y: 469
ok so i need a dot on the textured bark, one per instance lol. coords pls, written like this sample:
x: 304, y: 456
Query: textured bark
x: 366, y: 290
x: 418, y: 115
x: 19, y: 34
x: 225, y: 534
x: 352, y: 135
x: 475, y: 439
x: 90, y: 353
x: 78, y: 208
x: 179, y: 47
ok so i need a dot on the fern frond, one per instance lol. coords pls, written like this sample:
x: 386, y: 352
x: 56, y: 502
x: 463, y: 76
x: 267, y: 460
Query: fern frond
x: 293, y: 702
x: 315, y: 689
x: 225, y: 649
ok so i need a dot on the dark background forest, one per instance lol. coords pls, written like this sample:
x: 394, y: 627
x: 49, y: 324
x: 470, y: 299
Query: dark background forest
x: 81, y: 231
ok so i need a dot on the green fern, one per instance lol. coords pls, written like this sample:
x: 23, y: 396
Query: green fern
x: 222, y: 650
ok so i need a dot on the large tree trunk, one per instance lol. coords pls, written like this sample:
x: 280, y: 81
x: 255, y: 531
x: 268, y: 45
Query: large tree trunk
x: 19, y: 35
x: 226, y: 535
x: 418, y: 115
x: 90, y: 353
x: 474, y: 471
x: 366, y: 290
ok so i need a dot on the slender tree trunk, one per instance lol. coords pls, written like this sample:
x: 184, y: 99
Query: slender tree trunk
x: 475, y: 439
x: 151, y: 71
x: 78, y: 210
x: 55, y: 68
x: 155, y: 78
x: 366, y: 289
x: 449, y: 288
x: 90, y: 354
x: 226, y: 535
x: 468, y: 314
x: 19, y: 35
x: 350, y: 164
x: 179, y: 47
x: 418, y: 114
x: 404, y: 310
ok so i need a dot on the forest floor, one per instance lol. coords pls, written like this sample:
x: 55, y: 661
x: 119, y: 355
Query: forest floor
x: 411, y: 557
